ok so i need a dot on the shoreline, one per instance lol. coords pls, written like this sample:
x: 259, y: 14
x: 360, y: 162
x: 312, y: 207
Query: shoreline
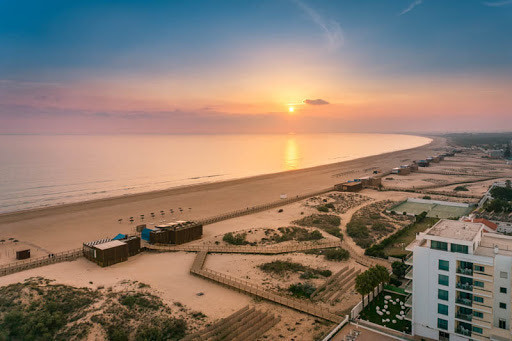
x: 8, y: 217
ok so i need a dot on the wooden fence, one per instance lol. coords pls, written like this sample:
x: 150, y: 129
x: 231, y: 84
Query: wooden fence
x: 260, y: 208
x: 41, y: 261
x: 272, y: 250
x: 255, y: 290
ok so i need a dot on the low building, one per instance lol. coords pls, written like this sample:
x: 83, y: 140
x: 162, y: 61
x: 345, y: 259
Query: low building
x: 370, y: 181
x: 107, y: 252
x: 176, y: 233
x: 351, y: 186
x: 460, y: 283
x: 413, y: 166
x: 423, y: 163
x: 23, y: 254
x: 495, y: 154
x: 402, y: 170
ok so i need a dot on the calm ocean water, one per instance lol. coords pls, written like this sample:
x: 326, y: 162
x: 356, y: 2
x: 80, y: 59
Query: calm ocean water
x: 38, y: 171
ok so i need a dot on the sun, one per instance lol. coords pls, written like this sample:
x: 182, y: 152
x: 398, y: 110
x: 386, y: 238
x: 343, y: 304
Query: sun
x: 291, y: 109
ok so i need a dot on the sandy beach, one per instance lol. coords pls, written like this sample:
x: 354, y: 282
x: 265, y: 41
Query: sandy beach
x: 66, y: 227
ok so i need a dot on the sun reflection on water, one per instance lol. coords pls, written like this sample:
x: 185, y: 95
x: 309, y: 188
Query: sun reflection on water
x: 292, y: 154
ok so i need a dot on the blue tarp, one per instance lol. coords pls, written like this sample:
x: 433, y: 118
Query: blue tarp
x: 119, y: 236
x: 145, y: 234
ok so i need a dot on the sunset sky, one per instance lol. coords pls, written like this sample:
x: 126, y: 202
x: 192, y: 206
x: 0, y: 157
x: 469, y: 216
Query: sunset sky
x: 238, y: 66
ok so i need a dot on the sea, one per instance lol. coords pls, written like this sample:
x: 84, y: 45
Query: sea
x: 46, y: 170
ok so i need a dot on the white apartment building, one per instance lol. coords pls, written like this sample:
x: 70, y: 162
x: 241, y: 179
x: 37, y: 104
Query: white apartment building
x: 460, y: 283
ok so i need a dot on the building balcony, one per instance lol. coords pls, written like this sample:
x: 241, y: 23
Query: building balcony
x: 463, y: 331
x: 408, y: 275
x: 465, y: 317
x: 408, y: 315
x: 464, y: 301
x: 465, y: 271
x: 408, y: 287
x: 408, y: 302
x: 464, y: 286
x: 408, y: 260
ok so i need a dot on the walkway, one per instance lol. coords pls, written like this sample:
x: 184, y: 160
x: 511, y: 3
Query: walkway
x: 267, y: 250
x: 255, y: 290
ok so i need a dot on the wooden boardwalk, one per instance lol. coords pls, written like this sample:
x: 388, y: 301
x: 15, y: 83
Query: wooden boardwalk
x: 336, y: 286
x: 255, y: 290
x: 260, y: 208
x: 270, y: 250
x: 246, y: 324
x: 41, y: 261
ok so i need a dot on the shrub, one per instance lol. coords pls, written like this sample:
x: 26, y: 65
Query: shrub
x: 337, y: 254
x: 427, y: 197
x: 281, y: 267
x: 302, y: 290
x: 461, y: 189
x: 322, y: 209
x: 235, y: 239
x: 295, y: 233
x: 328, y: 222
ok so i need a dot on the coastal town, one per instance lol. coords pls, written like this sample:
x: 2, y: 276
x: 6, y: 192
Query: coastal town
x: 353, y: 261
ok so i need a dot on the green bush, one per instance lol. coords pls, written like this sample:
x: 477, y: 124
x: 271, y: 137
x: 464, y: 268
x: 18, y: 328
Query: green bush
x: 295, y: 233
x: 235, y: 239
x: 461, y: 189
x: 322, y: 209
x: 337, y: 254
x: 302, y: 290
x: 280, y: 267
x: 329, y: 223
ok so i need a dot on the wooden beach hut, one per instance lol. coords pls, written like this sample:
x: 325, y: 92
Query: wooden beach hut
x: 106, y: 252
x: 23, y: 254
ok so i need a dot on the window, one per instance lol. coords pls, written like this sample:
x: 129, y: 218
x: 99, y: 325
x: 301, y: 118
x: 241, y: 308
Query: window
x: 459, y: 248
x: 443, y: 280
x: 442, y: 324
x: 503, y: 274
x: 478, y: 314
x: 434, y: 244
x: 478, y: 284
x: 502, y: 324
x: 503, y: 290
x: 442, y: 294
x: 477, y: 330
x: 479, y: 268
x: 503, y: 305
x: 442, y: 309
x: 478, y: 299
x: 444, y: 265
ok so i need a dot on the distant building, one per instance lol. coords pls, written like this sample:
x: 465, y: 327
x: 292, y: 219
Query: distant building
x: 353, y: 186
x: 460, y: 283
x: 423, y: 163
x: 370, y: 181
x: 495, y: 154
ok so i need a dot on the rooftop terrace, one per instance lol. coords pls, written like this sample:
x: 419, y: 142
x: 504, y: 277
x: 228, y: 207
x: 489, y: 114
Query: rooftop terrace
x: 454, y: 229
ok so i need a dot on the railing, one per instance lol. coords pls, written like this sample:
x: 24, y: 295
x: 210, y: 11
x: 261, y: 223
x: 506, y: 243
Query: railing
x: 263, y: 207
x: 256, y: 290
x: 463, y: 331
x: 464, y: 286
x: 465, y: 271
x: 466, y: 317
x: 41, y: 261
x: 247, y: 249
x: 464, y: 301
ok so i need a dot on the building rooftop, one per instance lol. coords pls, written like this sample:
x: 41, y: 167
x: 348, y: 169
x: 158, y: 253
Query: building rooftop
x: 109, y: 245
x: 492, y: 244
x: 454, y: 229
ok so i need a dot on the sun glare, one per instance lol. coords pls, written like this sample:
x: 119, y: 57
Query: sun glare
x: 290, y: 109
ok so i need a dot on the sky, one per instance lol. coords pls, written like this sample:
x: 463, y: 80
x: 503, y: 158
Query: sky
x: 255, y: 66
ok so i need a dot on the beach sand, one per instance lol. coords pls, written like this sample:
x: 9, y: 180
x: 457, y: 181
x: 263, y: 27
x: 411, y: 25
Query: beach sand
x: 66, y: 227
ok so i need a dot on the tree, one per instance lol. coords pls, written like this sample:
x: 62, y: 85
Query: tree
x: 363, y: 285
x: 399, y: 269
x: 507, y: 152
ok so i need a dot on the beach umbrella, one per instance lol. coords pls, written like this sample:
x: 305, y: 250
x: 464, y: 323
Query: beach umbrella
x: 120, y: 220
